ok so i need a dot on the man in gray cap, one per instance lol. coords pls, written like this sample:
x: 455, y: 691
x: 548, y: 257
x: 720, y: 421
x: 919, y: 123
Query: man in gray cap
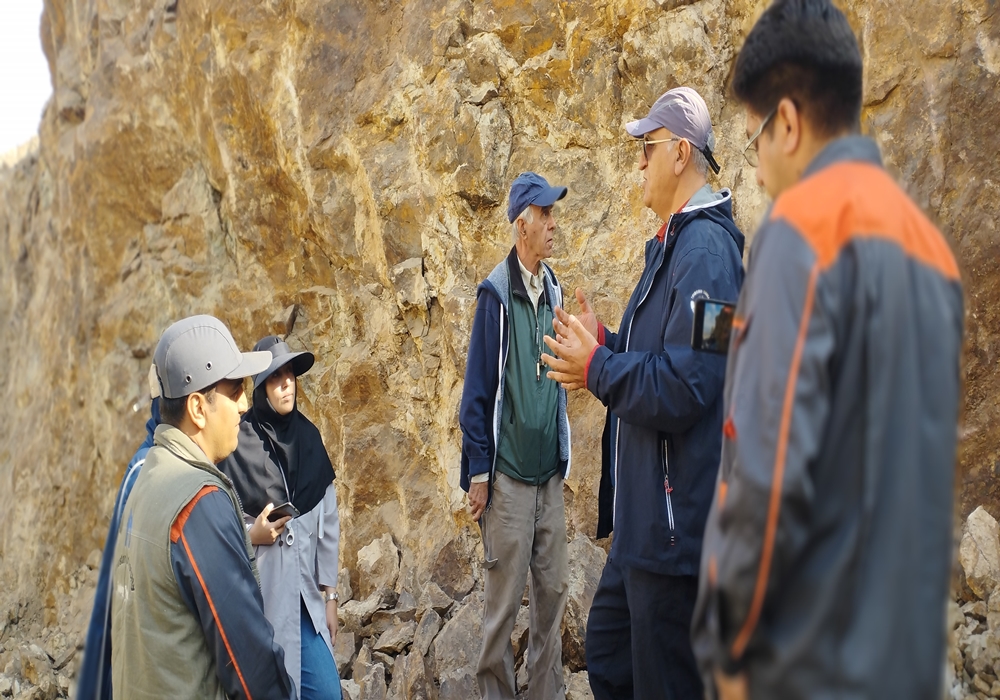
x: 187, y: 614
x: 664, y: 428
x: 516, y: 449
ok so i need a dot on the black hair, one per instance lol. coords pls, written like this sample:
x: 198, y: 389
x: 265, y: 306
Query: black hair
x: 804, y: 50
x: 172, y: 411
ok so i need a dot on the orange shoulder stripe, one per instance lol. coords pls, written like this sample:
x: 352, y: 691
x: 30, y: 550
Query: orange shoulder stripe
x: 182, y: 517
x: 215, y: 614
x: 854, y: 200
x: 778, y: 474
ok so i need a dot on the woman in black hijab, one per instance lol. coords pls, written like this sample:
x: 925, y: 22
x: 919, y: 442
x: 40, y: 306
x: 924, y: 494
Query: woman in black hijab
x: 281, y: 465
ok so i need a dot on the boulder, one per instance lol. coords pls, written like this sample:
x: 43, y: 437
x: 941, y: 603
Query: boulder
x: 578, y: 686
x: 410, y: 680
x: 452, y: 568
x: 372, y: 686
x: 433, y: 598
x: 355, y: 615
x: 979, y: 552
x: 586, y: 562
x: 427, y: 630
x: 350, y: 690
x: 363, y: 663
x: 378, y: 566
x: 456, y: 649
x: 343, y: 650
x: 396, y: 638
x: 519, y: 635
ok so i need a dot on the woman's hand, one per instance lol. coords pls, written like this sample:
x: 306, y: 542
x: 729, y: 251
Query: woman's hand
x: 263, y: 531
x: 332, y: 621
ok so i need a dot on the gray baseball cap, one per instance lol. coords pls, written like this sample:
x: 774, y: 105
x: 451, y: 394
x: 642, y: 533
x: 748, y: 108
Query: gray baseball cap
x: 199, y: 351
x: 682, y: 112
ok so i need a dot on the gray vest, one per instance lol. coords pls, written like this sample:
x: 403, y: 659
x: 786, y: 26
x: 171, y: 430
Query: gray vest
x: 158, y: 647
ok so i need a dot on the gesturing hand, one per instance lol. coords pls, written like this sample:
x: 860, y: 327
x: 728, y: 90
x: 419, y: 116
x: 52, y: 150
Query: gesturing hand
x: 264, y: 531
x: 586, y: 316
x: 573, y: 345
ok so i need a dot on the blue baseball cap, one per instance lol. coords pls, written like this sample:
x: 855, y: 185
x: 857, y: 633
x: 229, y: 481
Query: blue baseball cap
x: 682, y: 112
x: 531, y: 188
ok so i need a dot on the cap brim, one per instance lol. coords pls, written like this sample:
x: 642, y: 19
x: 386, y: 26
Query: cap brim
x: 302, y: 362
x: 252, y: 363
x: 550, y: 196
x: 640, y: 127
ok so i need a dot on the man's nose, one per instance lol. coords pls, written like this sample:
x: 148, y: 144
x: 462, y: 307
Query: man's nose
x: 241, y: 405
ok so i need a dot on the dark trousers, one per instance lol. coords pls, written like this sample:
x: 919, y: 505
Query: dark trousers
x: 639, y: 636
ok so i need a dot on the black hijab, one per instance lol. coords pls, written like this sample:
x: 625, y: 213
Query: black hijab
x: 278, y: 458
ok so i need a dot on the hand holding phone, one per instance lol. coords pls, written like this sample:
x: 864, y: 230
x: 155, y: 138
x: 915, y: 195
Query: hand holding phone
x: 285, y: 510
x: 713, y: 325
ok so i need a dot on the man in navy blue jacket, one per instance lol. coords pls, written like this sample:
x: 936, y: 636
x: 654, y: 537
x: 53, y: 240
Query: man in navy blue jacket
x: 664, y: 430
x: 95, y: 672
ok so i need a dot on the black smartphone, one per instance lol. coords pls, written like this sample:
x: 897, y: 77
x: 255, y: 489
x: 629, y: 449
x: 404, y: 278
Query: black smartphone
x: 279, y: 512
x: 713, y: 324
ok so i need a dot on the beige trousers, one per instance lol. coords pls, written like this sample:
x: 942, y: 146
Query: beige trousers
x: 524, y: 529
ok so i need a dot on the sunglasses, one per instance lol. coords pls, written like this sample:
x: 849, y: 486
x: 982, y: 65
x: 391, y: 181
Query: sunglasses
x: 646, y: 144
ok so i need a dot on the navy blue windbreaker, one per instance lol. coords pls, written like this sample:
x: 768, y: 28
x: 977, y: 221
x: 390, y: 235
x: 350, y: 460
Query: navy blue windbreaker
x: 664, y: 432
x: 95, y: 671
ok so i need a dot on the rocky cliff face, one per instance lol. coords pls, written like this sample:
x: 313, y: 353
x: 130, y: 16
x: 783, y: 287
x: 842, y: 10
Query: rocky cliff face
x: 338, y: 171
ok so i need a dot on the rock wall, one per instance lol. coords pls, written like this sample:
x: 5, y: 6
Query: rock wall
x: 338, y: 171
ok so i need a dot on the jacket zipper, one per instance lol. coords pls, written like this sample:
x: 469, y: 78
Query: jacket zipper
x: 618, y: 421
x: 667, y: 490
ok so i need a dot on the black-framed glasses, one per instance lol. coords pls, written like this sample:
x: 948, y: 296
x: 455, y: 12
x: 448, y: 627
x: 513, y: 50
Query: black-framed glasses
x: 750, y: 150
x: 646, y: 144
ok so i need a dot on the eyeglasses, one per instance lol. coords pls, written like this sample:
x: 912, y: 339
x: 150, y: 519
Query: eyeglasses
x: 235, y: 392
x: 750, y: 154
x: 645, y: 143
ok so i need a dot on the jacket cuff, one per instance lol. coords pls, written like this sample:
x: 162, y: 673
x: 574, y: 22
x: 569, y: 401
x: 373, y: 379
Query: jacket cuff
x: 595, y: 363
x: 479, y: 465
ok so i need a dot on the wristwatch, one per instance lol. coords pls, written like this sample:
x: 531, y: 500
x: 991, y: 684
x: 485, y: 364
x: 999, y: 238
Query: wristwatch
x: 330, y: 595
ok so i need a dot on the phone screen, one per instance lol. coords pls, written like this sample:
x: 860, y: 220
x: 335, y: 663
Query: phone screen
x: 713, y: 324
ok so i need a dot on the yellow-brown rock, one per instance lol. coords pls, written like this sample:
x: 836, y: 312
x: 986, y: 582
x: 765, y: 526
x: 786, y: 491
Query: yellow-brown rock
x: 338, y: 169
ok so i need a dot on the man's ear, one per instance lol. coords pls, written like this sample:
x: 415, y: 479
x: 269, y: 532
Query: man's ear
x: 197, y: 409
x: 520, y: 227
x: 788, y: 121
x: 683, y: 156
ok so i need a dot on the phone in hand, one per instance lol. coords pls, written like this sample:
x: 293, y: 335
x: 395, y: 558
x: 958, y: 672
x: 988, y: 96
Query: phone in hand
x: 281, y: 511
x: 713, y: 325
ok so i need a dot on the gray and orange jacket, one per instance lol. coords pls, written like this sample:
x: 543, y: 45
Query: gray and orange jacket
x: 827, y: 551
x: 187, y: 612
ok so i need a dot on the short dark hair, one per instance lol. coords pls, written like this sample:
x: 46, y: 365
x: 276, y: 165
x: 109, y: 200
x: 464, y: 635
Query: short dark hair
x: 804, y: 50
x: 172, y: 410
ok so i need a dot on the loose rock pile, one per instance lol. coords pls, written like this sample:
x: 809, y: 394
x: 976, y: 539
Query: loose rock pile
x: 424, y: 644
x: 973, y: 668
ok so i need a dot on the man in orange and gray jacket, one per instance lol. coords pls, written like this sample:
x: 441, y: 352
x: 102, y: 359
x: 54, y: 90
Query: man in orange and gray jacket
x: 827, y: 551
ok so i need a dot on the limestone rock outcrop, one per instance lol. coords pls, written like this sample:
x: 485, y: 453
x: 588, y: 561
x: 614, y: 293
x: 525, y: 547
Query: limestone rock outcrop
x: 337, y: 172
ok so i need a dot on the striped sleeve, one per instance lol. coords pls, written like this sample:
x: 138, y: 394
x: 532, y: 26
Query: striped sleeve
x: 780, y: 407
x: 215, y: 577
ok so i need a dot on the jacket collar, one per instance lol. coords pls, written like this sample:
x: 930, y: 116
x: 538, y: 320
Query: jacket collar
x: 184, y: 448
x: 846, y: 148
x: 517, y: 282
